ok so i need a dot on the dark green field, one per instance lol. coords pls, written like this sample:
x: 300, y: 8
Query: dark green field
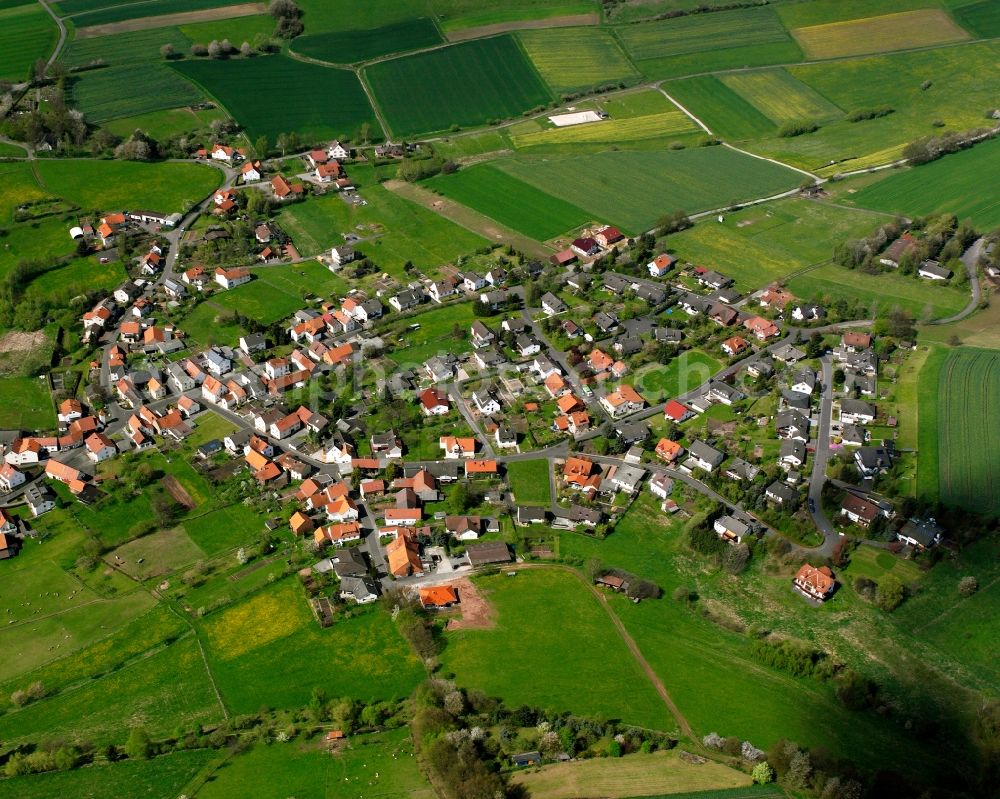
x: 275, y: 95
x: 957, y: 181
x: 27, y: 32
x: 726, y: 113
x: 111, y: 93
x: 511, y: 202
x: 350, y: 47
x: 465, y: 84
x: 982, y: 19
x: 106, y: 13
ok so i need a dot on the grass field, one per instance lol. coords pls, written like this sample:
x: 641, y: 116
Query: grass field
x: 434, y: 335
x: 104, y: 94
x: 780, y: 97
x: 364, y: 657
x: 306, y: 770
x: 351, y: 47
x: 510, y: 201
x: 27, y: 33
x: 879, y: 293
x: 165, y: 124
x: 455, y: 15
x: 87, y: 14
x: 551, y: 637
x: 632, y: 189
x: 767, y: 242
x: 957, y: 180
x: 704, y: 42
x: 25, y: 404
x: 144, y: 692
x: 465, y: 84
x: 899, y: 31
x: 654, y: 126
x: 316, y: 102
x: 236, y: 29
x: 576, y: 58
x: 685, y: 372
x: 321, y: 15
x: 130, y: 779
x: 633, y: 775
x: 969, y: 385
x: 125, y: 48
x: 724, y: 111
x: 114, y: 185
x: 529, y: 482
x: 276, y: 293
x: 982, y: 19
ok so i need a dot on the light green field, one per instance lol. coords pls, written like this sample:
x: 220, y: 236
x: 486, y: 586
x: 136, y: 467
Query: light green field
x: 456, y: 15
x: 633, y: 189
x: 611, y: 130
x: 575, y: 58
x: 682, y: 374
x: 277, y: 292
x: 726, y: 113
x: 302, y: 770
x: 551, y: 637
x: 25, y: 404
x: 765, y: 243
x: 365, y: 657
x: 27, y: 32
x: 900, y: 31
x: 706, y: 42
x: 165, y: 124
x: 529, y: 482
x: 780, y: 97
x: 957, y: 180
x: 131, y: 47
x: 434, y: 336
x: 236, y: 29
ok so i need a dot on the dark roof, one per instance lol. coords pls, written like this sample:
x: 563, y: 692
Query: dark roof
x: 488, y: 552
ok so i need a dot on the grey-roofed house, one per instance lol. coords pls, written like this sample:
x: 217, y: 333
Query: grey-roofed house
x: 349, y: 562
x: 627, y: 478
x: 527, y: 514
x: 488, y: 552
x: 552, y: 305
x: 668, y: 335
x: 786, y: 353
x: 606, y: 322
x: 730, y: 529
x: 627, y: 345
x: 795, y: 399
x: 860, y: 383
x: 792, y: 453
x: 704, y: 457
x: 740, y: 469
x: 872, y: 460
x: 782, y: 493
x: 362, y: 590
x: 632, y: 431
x: 791, y: 424
x: 921, y: 533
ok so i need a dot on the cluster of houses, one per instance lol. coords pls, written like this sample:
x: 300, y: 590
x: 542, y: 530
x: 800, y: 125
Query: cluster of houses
x: 908, y: 245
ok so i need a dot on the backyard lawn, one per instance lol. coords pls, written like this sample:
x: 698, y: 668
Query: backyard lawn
x: 529, y: 481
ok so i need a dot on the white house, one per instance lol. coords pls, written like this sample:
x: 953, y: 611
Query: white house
x: 100, y: 448
x: 231, y: 278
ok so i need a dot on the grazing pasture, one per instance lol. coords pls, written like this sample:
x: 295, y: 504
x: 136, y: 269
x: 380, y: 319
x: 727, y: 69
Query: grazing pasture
x: 541, y: 616
x: 704, y: 42
x: 632, y: 775
x: 27, y: 33
x: 364, y: 657
x: 316, y: 102
x: 982, y: 19
x: 529, y: 482
x: 957, y: 180
x: 725, y: 112
x: 510, y: 201
x: 780, y: 97
x: 464, y: 84
x: 577, y: 58
x: 110, y: 93
x: 350, y: 47
x: 969, y: 386
x: 632, y: 189
x: 294, y: 769
x: 165, y: 775
x: 654, y: 126
x: 900, y: 31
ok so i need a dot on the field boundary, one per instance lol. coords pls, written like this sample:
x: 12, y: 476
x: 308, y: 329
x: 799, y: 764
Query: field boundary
x: 566, y: 21
x: 167, y: 20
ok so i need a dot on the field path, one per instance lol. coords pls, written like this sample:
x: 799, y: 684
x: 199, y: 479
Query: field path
x: 465, y: 217
x: 480, y: 31
x: 62, y: 32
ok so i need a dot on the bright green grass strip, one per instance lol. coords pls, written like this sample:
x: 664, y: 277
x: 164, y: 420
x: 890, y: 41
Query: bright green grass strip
x: 510, y: 201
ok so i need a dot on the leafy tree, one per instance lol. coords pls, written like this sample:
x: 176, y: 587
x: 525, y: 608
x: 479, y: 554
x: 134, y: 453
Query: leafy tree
x: 889, y: 593
x: 762, y: 774
x: 167, y: 51
x: 139, y: 746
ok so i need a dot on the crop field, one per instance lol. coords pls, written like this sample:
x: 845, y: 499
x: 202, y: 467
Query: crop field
x: 724, y: 111
x: 510, y: 201
x: 529, y: 482
x: 982, y: 18
x: 236, y: 29
x: 363, y: 657
x: 102, y: 94
x: 114, y: 185
x: 27, y: 32
x: 108, y: 13
x: 969, y: 387
x: 25, y: 404
x: 297, y: 769
x: 957, y: 180
x: 129, y: 779
x: 321, y: 15
x: 780, y: 97
x: 351, y: 47
x: 316, y: 102
x: 456, y: 15
x: 632, y: 189
x: 124, y: 48
x: 767, y: 242
x: 400, y: 230
x: 143, y: 692
x: 632, y: 775
x: 465, y: 84
x: 704, y: 42
x: 948, y: 85
x: 540, y: 617
x: 654, y: 126
x: 576, y: 58
x: 900, y: 31
x: 879, y: 293
x: 687, y: 371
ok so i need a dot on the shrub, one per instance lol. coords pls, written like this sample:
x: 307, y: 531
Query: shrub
x: 762, y: 774
x: 889, y: 593
x: 870, y: 113
x: 967, y: 586
x: 797, y: 128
